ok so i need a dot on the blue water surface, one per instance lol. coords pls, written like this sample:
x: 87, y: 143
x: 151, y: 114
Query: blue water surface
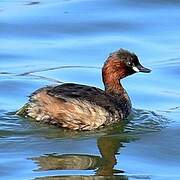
x: 53, y: 41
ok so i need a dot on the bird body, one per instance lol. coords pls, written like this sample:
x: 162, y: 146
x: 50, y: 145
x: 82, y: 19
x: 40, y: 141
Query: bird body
x: 81, y: 107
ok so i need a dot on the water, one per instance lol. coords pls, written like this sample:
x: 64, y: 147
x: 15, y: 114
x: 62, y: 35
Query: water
x: 50, y: 41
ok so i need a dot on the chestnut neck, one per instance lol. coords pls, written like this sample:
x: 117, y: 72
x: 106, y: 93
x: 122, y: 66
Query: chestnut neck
x: 113, y: 86
x: 112, y: 73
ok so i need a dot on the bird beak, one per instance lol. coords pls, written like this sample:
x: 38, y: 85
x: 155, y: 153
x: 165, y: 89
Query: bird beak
x: 140, y: 68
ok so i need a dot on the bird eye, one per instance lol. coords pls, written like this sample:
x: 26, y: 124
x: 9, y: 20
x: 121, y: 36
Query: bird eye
x: 129, y: 63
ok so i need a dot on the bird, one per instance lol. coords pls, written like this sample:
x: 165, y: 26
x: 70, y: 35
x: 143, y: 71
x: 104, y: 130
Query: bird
x: 82, y: 107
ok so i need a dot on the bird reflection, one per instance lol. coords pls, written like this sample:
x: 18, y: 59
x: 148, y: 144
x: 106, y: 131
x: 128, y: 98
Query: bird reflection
x: 108, y: 148
x: 103, y: 165
x: 67, y: 162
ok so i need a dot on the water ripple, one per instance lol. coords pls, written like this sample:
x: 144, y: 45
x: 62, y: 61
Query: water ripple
x: 143, y: 121
x: 140, y: 122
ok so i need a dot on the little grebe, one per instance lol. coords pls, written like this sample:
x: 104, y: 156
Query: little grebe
x: 81, y: 107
